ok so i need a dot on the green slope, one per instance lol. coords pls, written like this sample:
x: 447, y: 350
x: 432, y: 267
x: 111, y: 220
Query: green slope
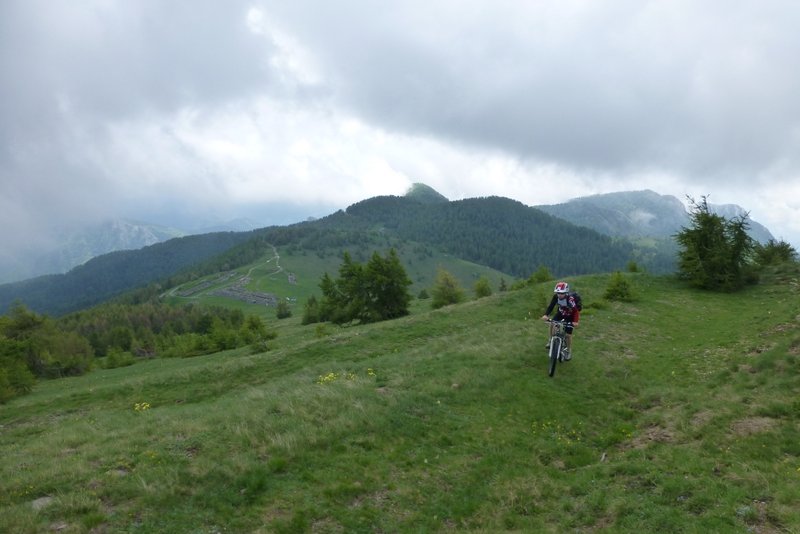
x: 678, y: 413
x: 293, y: 274
x: 499, y: 233
x: 110, y: 275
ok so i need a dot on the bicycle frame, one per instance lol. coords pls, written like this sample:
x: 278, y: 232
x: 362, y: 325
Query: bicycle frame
x: 558, y: 344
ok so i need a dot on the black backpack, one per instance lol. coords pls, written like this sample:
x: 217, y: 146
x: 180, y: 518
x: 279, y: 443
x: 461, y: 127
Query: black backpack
x: 577, y: 297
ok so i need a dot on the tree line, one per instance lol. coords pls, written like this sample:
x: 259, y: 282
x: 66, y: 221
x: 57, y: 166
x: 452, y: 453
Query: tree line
x: 363, y: 293
x: 498, y: 232
x: 112, y: 275
x: 716, y: 253
x: 34, y: 346
x: 378, y: 291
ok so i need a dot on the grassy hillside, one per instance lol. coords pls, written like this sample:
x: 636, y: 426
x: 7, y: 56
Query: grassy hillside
x: 289, y: 272
x: 678, y: 413
x: 503, y: 234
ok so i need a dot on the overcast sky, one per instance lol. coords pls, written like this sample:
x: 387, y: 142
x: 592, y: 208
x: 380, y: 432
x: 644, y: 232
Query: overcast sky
x: 173, y: 111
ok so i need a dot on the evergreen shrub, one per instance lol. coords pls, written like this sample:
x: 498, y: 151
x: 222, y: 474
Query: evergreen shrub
x: 619, y: 288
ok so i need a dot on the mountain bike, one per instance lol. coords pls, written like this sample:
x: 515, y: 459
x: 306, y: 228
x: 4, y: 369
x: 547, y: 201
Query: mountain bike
x: 558, y: 344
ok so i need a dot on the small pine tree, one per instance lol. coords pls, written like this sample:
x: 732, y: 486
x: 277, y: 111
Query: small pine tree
x: 618, y: 288
x: 283, y: 310
x: 15, y: 377
x: 715, y: 250
x: 482, y: 288
x: 542, y: 274
x: 311, y: 311
x: 446, y: 290
x: 774, y: 253
x: 503, y: 287
x: 254, y: 327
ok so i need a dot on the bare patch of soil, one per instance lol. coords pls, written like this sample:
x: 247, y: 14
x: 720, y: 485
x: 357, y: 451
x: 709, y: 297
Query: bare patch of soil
x: 653, y: 434
x: 702, y: 418
x: 745, y: 368
x: 752, y: 425
x: 756, y: 516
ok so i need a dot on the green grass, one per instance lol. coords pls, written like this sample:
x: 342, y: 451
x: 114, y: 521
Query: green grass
x: 678, y: 413
x: 307, y: 269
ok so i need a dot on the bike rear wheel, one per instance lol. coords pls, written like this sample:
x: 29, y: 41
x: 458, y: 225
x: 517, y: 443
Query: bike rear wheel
x: 555, y: 350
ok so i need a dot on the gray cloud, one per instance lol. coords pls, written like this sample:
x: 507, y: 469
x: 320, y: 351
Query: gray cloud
x: 184, y: 107
x: 699, y: 88
x: 71, y: 71
x: 113, y: 59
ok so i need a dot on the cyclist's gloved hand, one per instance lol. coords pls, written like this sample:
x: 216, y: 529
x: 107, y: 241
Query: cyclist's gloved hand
x: 545, y: 318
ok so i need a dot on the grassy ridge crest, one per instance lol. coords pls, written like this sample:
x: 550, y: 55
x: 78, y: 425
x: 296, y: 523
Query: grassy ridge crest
x: 679, y: 412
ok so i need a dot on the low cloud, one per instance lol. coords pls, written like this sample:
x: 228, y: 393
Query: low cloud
x: 182, y: 109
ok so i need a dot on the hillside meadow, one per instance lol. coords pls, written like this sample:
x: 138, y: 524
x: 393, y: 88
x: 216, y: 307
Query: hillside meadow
x: 296, y: 275
x: 678, y: 413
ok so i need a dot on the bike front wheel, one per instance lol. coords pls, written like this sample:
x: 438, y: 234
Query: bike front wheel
x: 555, y: 350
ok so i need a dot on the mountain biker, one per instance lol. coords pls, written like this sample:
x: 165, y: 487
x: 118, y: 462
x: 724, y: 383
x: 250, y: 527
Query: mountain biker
x: 567, y: 310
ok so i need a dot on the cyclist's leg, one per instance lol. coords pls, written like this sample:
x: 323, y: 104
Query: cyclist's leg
x: 569, y: 340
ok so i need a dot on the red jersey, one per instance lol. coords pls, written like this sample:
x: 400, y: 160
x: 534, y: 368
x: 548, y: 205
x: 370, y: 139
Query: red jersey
x: 567, y: 308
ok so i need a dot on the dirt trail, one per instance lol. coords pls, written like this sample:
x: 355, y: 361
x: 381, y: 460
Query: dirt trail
x: 236, y: 288
x: 276, y: 257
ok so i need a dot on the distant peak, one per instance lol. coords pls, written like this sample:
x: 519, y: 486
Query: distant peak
x: 425, y: 194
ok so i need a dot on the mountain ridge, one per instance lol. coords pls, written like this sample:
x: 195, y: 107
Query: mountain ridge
x: 644, y: 213
x: 109, y: 275
x: 629, y: 214
x: 76, y: 247
x: 497, y: 232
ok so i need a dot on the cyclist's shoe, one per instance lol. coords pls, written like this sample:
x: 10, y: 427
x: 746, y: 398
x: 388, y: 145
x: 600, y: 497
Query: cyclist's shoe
x: 547, y: 346
x: 567, y: 355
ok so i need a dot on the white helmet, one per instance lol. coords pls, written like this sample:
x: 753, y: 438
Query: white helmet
x: 561, y: 287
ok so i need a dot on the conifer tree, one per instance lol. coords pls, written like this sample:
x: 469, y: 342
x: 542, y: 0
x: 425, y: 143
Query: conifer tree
x: 311, y: 311
x: 774, y: 253
x: 375, y: 292
x: 447, y: 290
x: 714, y: 250
x: 482, y: 288
x: 387, y: 287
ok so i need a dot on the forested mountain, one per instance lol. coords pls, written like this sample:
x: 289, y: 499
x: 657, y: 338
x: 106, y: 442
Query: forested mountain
x: 112, y: 274
x: 498, y: 232
x: 75, y: 247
